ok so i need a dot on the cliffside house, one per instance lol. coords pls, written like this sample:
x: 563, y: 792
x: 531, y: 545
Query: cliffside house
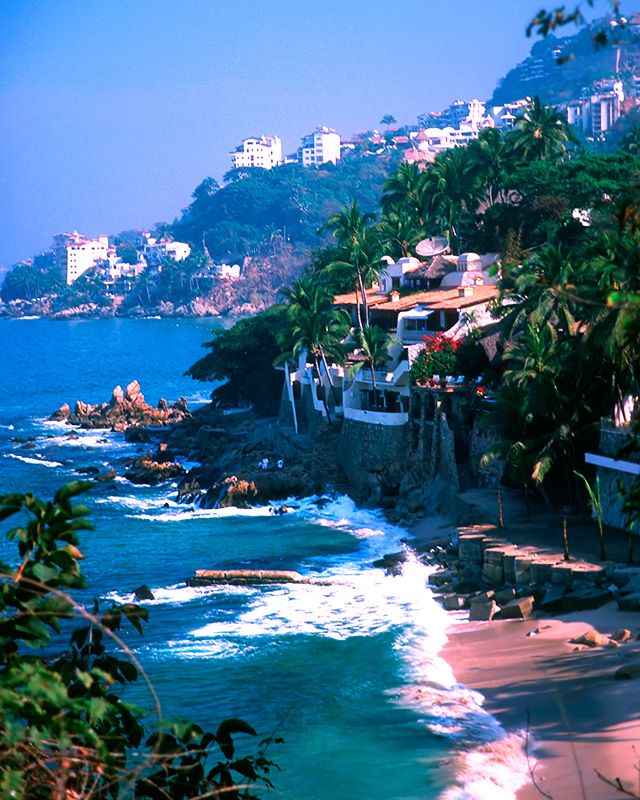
x: 457, y: 300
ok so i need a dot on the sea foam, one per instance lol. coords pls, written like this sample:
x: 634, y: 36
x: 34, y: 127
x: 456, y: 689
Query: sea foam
x: 42, y: 462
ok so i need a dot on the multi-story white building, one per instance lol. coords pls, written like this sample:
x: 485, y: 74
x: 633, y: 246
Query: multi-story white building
x: 264, y: 152
x: 470, y: 113
x: 319, y: 147
x: 597, y: 113
x: 75, y: 253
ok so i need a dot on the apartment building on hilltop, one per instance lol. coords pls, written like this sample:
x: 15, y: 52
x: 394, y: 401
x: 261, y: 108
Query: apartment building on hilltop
x: 319, y: 147
x: 264, y: 152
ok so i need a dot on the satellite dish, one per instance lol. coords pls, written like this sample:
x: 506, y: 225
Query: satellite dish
x: 432, y: 246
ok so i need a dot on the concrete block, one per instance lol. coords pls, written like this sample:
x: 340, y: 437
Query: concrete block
x: 492, y: 569
x: 518, y: 608
x: 552, y: 599
x: 583, y: 599
x: 562, y: 574
x: 522, y: 569
x: 453, y: 602
x: 483, y: 612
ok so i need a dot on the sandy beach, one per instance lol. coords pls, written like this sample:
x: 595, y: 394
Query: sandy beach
x: 578, y: 720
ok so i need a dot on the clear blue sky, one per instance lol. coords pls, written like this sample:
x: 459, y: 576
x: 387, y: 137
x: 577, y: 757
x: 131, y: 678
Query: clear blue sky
x: 112, y: 111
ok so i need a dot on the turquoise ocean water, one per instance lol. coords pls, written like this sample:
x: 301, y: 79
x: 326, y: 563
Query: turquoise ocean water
x: 347, y: 673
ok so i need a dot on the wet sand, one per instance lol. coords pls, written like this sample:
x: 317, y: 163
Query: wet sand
x: 579, y: 718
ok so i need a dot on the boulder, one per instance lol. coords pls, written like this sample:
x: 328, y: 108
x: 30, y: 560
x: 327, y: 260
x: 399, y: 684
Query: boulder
x: 390, y: 562
x: 583, y: 599
x: 519, y: 608
x: 137, y: 435
x: 88, y: 471
x: 483, y: 611
x: 143, y: 593
x: 453, y: 602
x: 117, y: 396
x: 504, y: 596
x: 552, y: 598
x: 133, y: 393
x: 590, y: 639
x: 482, y: 597
x: 622, y: 635
x: 107, y: 475
x: 627, y: 672
x: 629, y: 602
x: 63, y: 413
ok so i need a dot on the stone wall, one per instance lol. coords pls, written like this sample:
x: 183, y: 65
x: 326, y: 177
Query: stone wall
x: 373, y: 457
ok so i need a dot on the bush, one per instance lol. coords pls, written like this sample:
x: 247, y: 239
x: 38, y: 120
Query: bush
x: 438, y: 357
x: 65, y: 731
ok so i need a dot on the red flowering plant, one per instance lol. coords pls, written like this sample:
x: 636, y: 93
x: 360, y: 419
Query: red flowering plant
x: 438, y: 357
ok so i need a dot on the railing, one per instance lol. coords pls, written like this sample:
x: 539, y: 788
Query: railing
x: 383, y: 375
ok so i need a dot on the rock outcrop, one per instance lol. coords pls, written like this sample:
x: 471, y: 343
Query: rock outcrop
x: 154, y: 468
x: 126, y: 409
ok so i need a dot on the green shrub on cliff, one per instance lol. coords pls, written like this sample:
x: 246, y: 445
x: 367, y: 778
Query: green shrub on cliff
x: 243, y: 357
x: 65, y: 730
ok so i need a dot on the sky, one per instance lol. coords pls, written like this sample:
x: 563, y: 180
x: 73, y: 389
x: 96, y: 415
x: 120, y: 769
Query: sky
x: 112, y: 111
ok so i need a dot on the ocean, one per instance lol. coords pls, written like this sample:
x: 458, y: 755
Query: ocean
x: 347, y: 673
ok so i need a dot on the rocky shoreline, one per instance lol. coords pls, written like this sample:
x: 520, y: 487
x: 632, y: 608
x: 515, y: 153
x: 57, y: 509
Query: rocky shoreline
x: 199, y: 307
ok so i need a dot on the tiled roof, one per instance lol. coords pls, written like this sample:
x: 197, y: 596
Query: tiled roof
x: 373, y: 298
x: 440, y: 299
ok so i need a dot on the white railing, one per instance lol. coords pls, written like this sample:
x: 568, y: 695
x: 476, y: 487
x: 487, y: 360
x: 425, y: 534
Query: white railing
x: 384, y: 376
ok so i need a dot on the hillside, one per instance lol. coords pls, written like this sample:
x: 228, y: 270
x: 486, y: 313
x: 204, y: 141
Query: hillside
x: 582, y: 63
x: 257, y: 207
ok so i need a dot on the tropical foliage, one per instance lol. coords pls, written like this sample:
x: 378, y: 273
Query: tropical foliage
x: 439, y: 356
x: 243, y: 357
x: 66, y: 730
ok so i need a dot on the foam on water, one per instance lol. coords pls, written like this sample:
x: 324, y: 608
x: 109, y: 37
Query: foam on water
x: 41, y: 462
x: 138, y: 503
x: 180, y: 594
x: 183, y: 513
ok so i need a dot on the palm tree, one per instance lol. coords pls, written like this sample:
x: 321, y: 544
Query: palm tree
x: 493, y: 157
x: 388, y: 119
x: 374, y: 343
x: 316, y: 327
x: 543, y: 294
x: 360, y: 244
x: 405, y: 190
x: 543, y: 133
x: 398, y: 233
x: 453, y: 190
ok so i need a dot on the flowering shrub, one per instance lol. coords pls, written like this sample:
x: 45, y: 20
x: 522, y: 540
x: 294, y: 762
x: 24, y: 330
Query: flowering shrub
x: 438, y: 357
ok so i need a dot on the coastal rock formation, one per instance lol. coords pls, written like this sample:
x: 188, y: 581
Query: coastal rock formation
x: 155, y: 468
x: 126, y: 409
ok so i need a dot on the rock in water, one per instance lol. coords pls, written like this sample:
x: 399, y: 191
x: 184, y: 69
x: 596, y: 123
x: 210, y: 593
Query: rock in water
x: 143, y: 593
x: 133, y: 393
x: 63, y: 413
x: 117, y: 396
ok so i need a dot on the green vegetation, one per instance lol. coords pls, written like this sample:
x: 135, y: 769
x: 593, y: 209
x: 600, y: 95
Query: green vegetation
x: 65, y: 729
x: 291, y: 202
x: 243, y: 356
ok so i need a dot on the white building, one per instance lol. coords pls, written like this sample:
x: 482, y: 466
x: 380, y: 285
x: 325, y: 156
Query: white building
x: 264, y: 152
x: 319, y: 147
x: 75, y: 253
x: 598, y: 112
x: 155, y: 252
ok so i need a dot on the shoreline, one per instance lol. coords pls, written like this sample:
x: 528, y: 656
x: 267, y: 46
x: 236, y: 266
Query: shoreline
x: 573, y: 716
